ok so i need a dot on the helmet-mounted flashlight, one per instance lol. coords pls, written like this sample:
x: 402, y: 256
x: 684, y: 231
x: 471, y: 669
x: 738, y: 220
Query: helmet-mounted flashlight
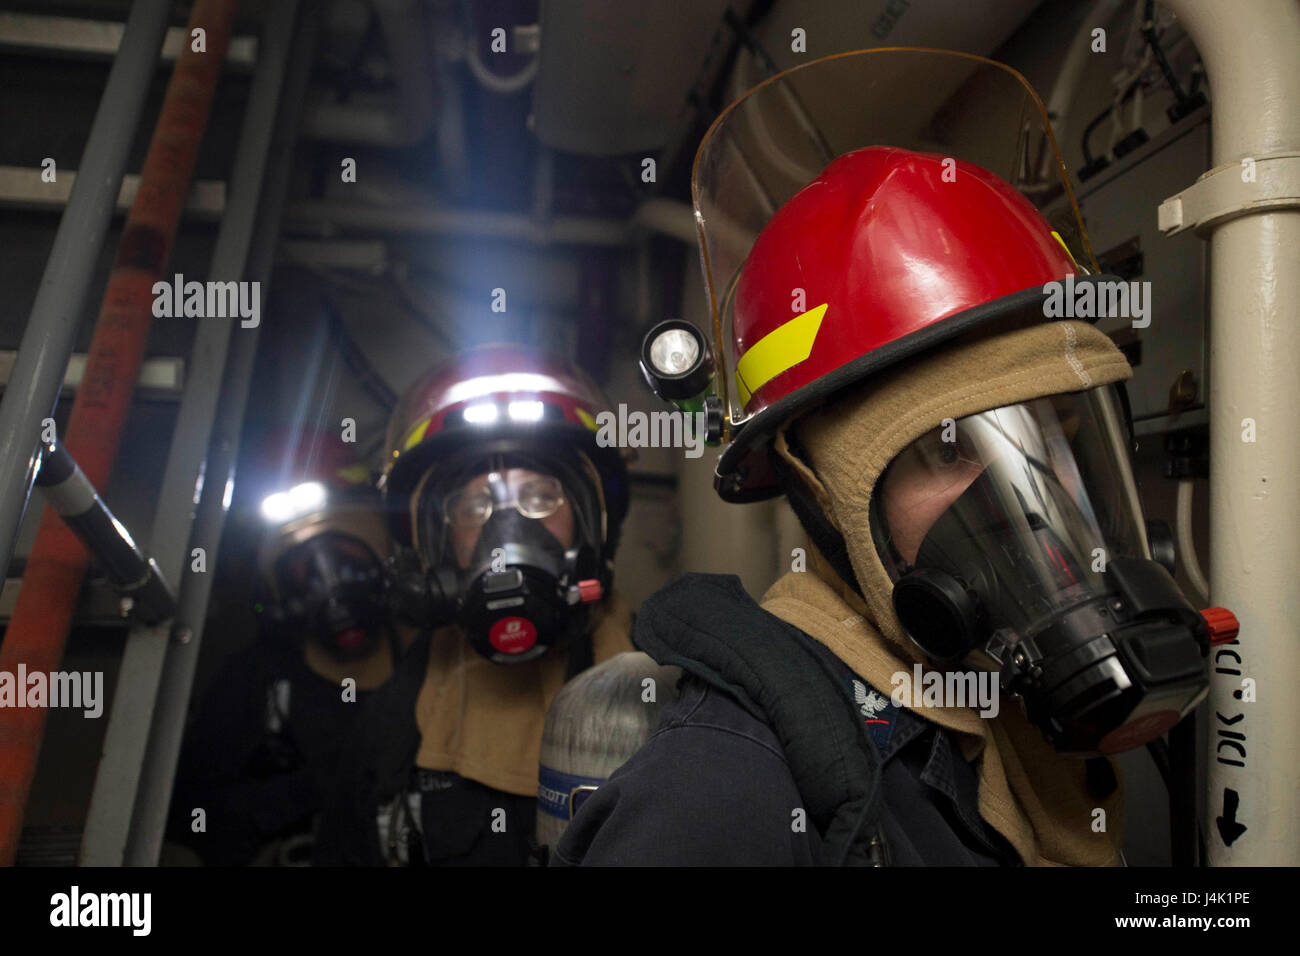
x: 677, y: 364
x: 676, y: 361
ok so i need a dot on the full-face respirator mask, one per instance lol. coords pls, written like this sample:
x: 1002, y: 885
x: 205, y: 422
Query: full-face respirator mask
x: 331, y: 590
x: 1014, y: 541
x: 508, y: 547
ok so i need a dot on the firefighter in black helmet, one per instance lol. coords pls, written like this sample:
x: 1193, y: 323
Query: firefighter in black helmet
x: 264, y: 748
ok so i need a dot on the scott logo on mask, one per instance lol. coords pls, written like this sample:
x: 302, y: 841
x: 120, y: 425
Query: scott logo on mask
x: 512, y: 635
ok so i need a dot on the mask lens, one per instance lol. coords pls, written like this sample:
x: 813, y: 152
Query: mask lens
x: 329, y: 566
x: 295, y: 569
x: 353, y: 561
x: 540, y: 497
x: 469, y: 508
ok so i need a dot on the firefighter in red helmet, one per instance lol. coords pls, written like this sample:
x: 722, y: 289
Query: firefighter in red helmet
x: 506, y: 512
x: 265, y: 744
x: 979, y: 624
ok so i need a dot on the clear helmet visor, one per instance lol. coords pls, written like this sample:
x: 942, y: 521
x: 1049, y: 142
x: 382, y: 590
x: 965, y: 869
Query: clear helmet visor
x: 1022, y: 506
x: 780, y: 135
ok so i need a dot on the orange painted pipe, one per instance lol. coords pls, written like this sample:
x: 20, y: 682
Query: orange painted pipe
x: 38, y: 631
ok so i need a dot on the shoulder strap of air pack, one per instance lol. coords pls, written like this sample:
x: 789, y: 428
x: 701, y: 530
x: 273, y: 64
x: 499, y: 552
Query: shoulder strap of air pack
x: 710, y: 627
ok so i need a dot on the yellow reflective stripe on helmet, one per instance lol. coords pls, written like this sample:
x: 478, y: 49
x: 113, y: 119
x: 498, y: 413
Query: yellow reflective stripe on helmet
x: 585, y: 417
x: 417, y: 435
x: 781, y: 349
x: 355, y: 474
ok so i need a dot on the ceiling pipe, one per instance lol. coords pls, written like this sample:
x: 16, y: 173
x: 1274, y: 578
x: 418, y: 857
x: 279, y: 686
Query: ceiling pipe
x: 327, y: 218
x: 1250, y: 212
x: 396, y: 120
x: 495, y: 82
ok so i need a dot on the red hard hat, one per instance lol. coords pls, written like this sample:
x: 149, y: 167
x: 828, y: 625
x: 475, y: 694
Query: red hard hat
x: 509, y: 393
x: 886, y: 253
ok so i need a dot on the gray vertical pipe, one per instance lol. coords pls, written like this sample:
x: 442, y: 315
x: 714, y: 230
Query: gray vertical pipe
x: 33, y: 388
x: 148, y: 825
x: 112, y: 802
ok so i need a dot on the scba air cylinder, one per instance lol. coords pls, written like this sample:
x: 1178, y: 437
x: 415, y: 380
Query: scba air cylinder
x: 594, y: 724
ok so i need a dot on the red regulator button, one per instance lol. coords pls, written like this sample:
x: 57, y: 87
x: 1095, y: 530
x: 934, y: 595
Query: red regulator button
x: 1222, y: 623
x: 513, y: 635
